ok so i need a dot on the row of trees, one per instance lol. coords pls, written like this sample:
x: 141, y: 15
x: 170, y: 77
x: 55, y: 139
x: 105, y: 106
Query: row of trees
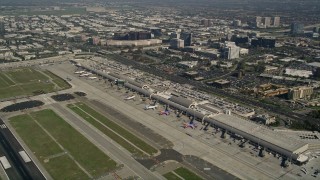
x: 259, y: 68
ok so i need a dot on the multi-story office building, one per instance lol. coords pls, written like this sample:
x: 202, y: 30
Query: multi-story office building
x: 267, y: 42
x: 144, y: 35
x: 230, y: 50
x: 240, y: 39
x: 132, y: 36
x: 258, y: 21
x: 300, y: 92
x: 236, y: 23
x: 175, y: 35
x: 316, y: 29
x: 2, y: 28
x: 297, y: 28
x: 276, y: 21
x: 267, y: 21
x: 156, y: 31
x: 206, y: 22
x: 187, y: 37
x: 176, y: 43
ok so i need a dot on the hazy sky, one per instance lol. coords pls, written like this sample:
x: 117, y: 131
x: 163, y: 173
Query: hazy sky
x: 260, y: 4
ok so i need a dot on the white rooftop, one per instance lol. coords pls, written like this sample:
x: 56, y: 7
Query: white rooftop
x: 314, y: 64
x: 261, y: 132
x: 296, y: 72
x: 24, y: 156
x: 5, y: 163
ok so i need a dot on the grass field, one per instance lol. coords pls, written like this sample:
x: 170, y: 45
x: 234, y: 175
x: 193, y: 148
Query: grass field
x: 27, y: 81
x: 43, y: 147
x: 90, y: 157
x: 187, y: 174
x: 4, y: 80
x: 57, y: 80
x: 86, y: 112
x: 63, y: 167
x: 171, y: 176
x: 26, y: 75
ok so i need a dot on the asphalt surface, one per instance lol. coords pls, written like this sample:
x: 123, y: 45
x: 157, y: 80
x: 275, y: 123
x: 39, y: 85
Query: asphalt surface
x: 11, y: 147
x: 131, y: 124
x: 13, y: 172
x: 214, y: 171
x: 166, y: 154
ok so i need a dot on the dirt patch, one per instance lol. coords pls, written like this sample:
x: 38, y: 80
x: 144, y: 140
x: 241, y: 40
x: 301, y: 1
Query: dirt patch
x: 22, y: 106
x: 62, y: 97
x: 82, y: 94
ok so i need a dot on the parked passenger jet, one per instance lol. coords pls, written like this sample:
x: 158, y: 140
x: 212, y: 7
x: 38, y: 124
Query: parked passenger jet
x: 191, y: 125
x: 165, y: 112
x: 92, y: 77
x: 79, y: 72
x: 150, y: 107
x: 85, y: 74
x: 129, y: 98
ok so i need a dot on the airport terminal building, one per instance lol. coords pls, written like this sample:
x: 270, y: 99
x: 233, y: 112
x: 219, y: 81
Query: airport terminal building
x: 264, y: 138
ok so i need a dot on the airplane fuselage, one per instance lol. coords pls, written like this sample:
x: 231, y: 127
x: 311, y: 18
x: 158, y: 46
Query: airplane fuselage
x: 151, y: 107
x: 129, y: 98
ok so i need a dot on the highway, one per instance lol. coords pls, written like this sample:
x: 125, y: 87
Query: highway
x: 10, y: 147
x: 12, y: 172
x: 306, y: 27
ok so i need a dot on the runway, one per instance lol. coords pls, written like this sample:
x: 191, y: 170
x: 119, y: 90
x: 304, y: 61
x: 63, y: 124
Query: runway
x: 229, y: 161
x: 184, y: 144
x: 112, y: 149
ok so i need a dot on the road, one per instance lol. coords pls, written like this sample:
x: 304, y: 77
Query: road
x: 134, y: 49
x: 10, y: 147
x: 12, y: 172
x: 36, y: 61
x: 305, y: 27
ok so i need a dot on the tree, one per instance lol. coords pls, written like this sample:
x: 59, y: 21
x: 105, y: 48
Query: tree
x: 315, y: 113
x: 138, y: 51
x: 241, y: 65
x: 260, y: 67
x: 130, y: 50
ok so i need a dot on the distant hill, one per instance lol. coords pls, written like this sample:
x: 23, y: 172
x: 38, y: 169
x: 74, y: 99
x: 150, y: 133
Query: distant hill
x: 283, y: 5
x: 36, y: 2
x: 25, y: 2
